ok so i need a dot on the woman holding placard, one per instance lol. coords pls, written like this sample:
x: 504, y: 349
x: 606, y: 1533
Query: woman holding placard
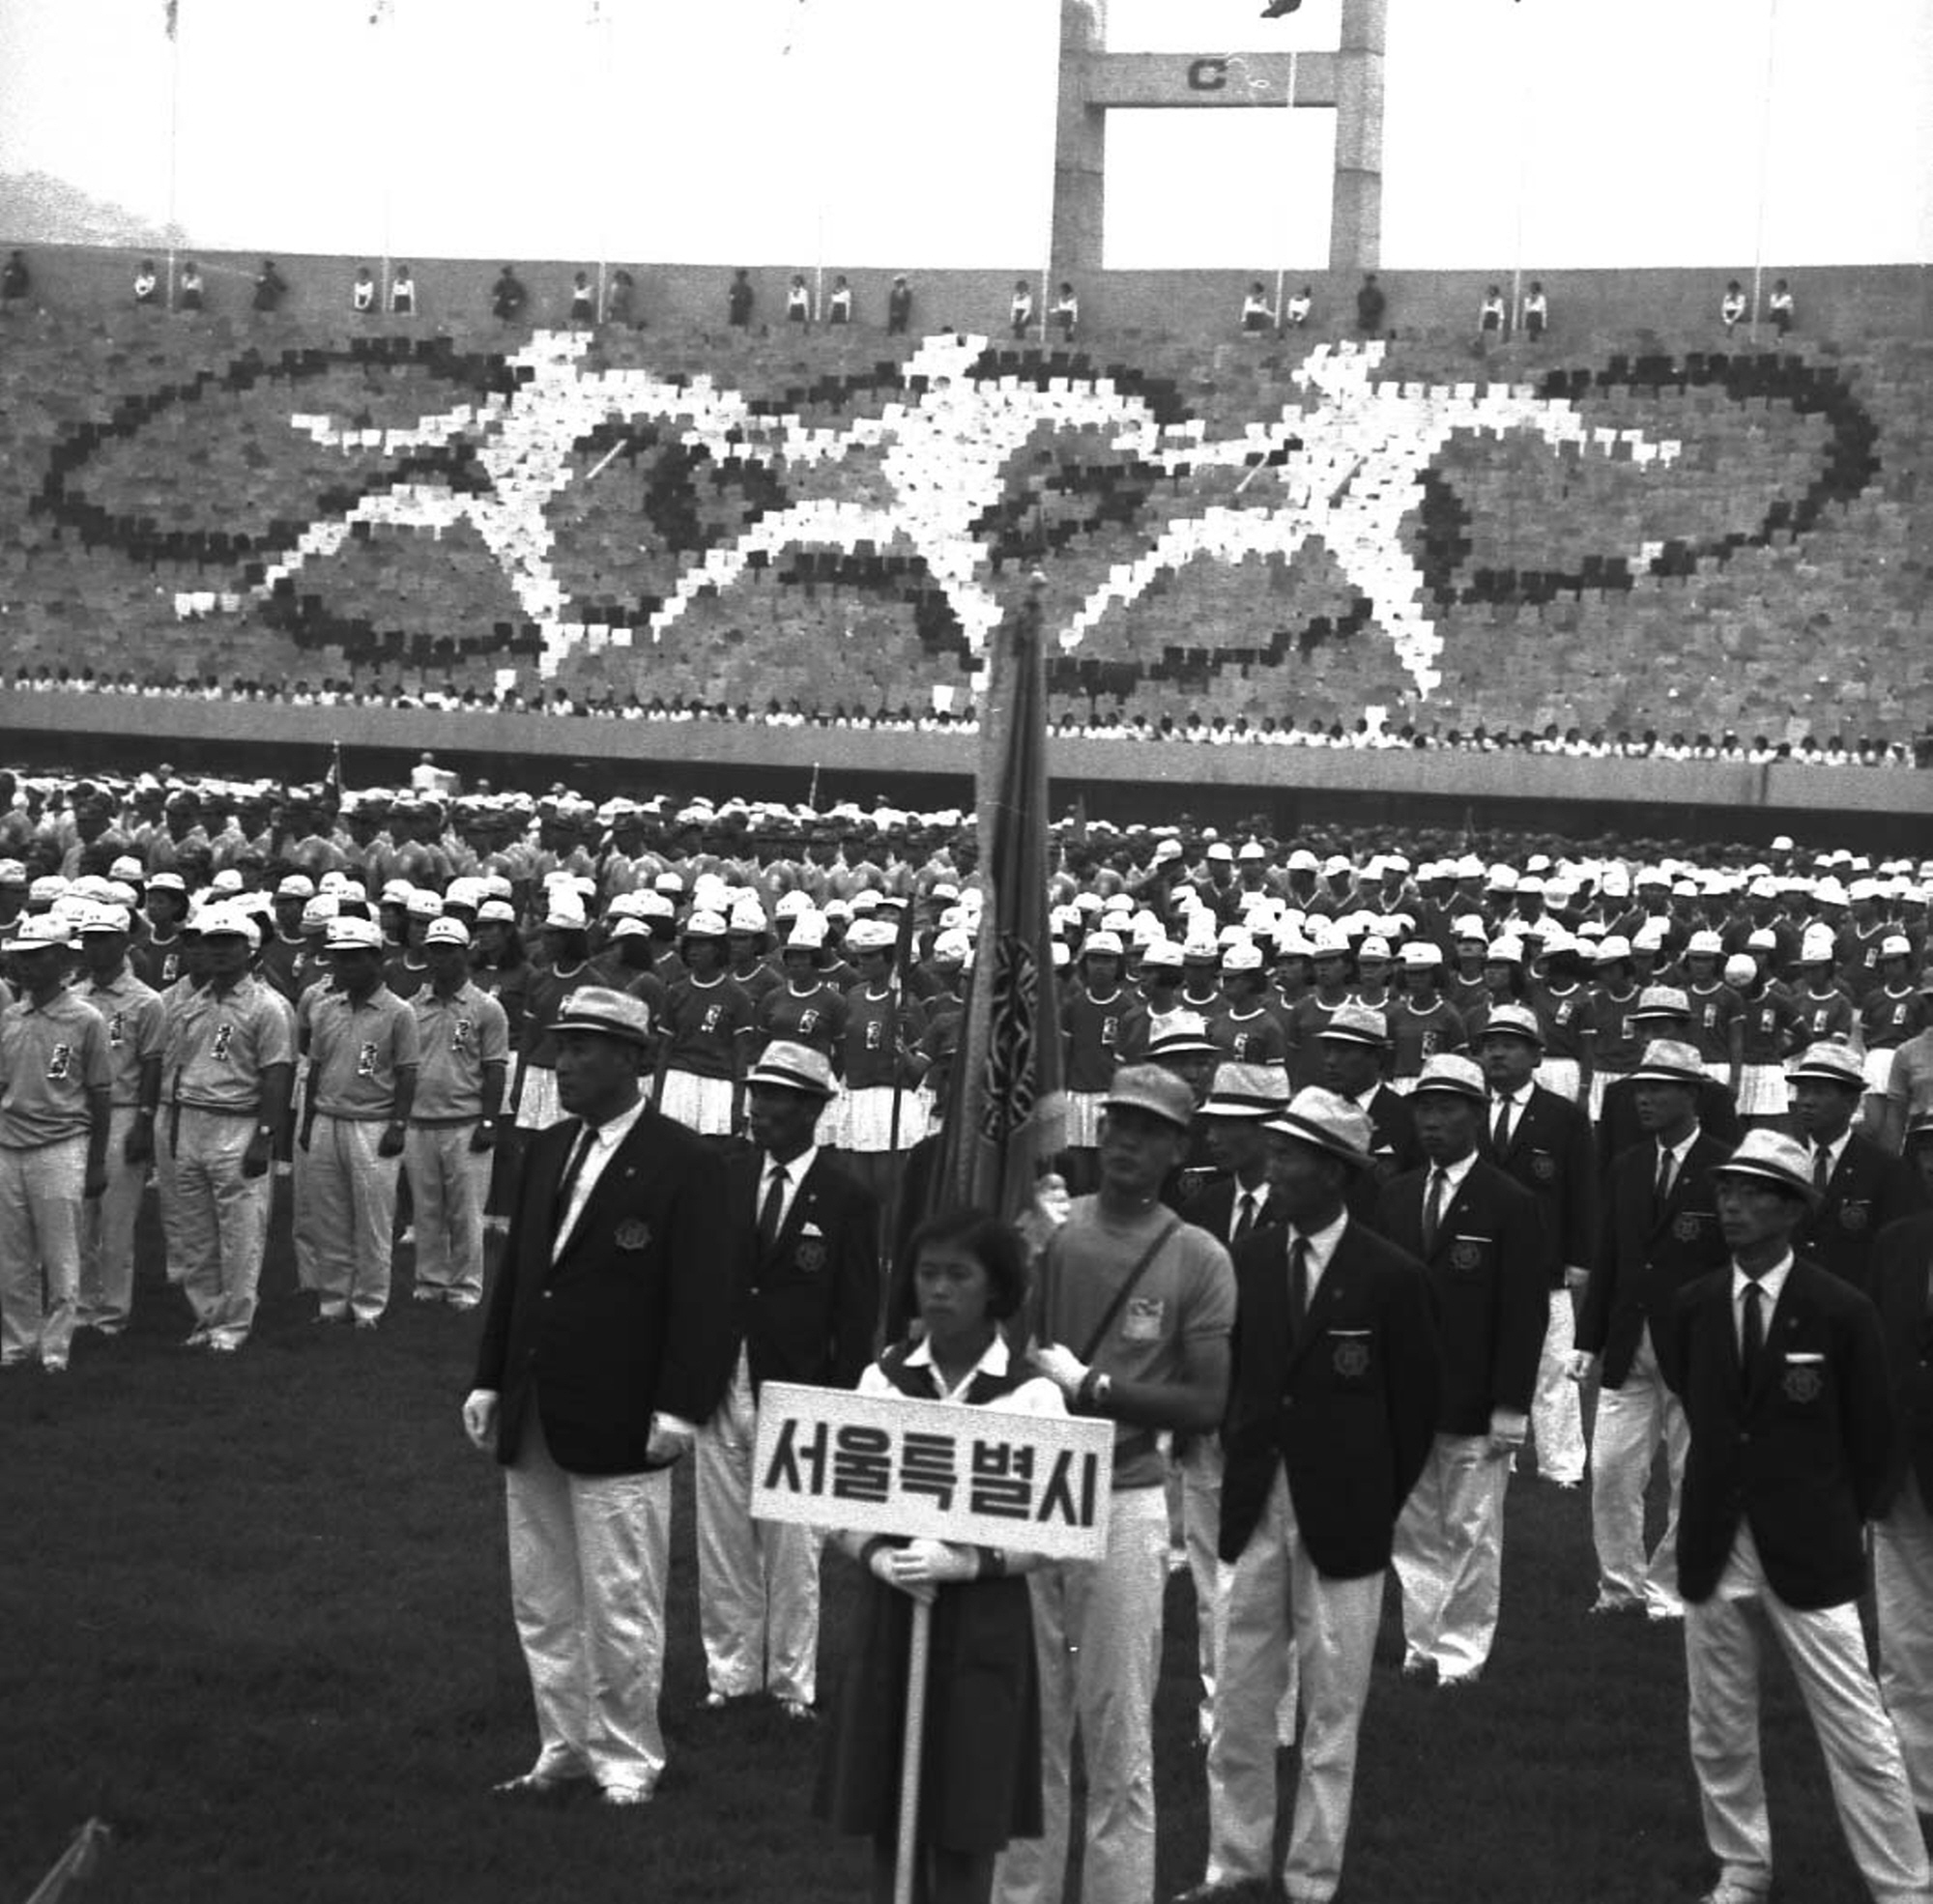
x: 980, y: 1762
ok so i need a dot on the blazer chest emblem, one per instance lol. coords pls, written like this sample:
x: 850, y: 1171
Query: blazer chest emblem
x: 1467, y: 1253
x: 810, y: 1254
x: 631, y: 1235
x: 1350, y: 1358
x: 1802, y: 1382
x: 1854, y: 1217
x: 1686, y: 1226
x: 1542, y: 1166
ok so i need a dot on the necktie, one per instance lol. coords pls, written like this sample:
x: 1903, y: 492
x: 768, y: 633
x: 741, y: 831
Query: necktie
x: 1432, y: 1211
x: 1664, y: 1175
x: 572, y: 1169
x: 773, y: 1207
x: 1753, y: 1336
x: 1500, y: 1131
x: 1298, y: 1282
x: 1822, y: 1168
x: 1245, y: 1216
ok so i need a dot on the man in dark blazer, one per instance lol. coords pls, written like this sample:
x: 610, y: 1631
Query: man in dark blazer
x: 1543, y: 1141
x: 1480, y: 1238
x: 1663, y: 1011
x: 1862, y: 1187
x: 605, y: 1341
x: 1781, y: 1371
x: 1331, y: 1411
x: 1650, y: 1245
x: 1232, y: 1204
x: 806, y: 1310
x: 1355, y: 1053
x: 1902, y: 1291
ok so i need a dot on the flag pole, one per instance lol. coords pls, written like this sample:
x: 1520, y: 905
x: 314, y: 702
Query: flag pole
x: 918, y: 1652
x: 174, y: 140
x: 1764, y: 163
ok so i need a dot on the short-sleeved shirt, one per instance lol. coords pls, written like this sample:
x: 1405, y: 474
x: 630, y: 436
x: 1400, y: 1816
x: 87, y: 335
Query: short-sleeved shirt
x: 456, y: 1037
x: 1911, y: 1081
x: 132, y: 1013
x: 52, y: 1056
x: 1420, y: 1033
x: 815, y: 1018
x: 704, y: 1023
x: 1890, y: 1018
x: 1185, y: 1297
x: 218, y: 1044
x: 355, y: 1050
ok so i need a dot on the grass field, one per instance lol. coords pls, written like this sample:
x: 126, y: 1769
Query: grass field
x: 254, y: 1615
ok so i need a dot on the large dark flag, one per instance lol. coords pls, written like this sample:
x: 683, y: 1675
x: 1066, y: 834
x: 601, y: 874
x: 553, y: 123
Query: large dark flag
x: 1006, y: 1109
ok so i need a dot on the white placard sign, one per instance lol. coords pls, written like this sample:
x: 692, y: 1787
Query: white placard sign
x: 933, y: 1470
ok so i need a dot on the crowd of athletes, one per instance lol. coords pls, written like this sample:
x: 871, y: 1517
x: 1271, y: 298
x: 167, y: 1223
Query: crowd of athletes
x: 745, y: 922
x: 213, y: 984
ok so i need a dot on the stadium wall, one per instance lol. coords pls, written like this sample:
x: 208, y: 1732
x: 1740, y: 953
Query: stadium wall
x: 1293, y: 787
x: 1842, y: 303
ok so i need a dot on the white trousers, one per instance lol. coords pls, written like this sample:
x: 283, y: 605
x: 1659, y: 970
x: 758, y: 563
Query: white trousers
x: 1097, y: 1634
x: 1450, y: 1554
x: 1283, y: 1623
x: 757, y: 1580
x: 1556, y: 1422
x: 1199, y: 1472
x: 1632, y: 1423
x: 167, y: 1193
x: 221, y: 1220
x: 39, y: 1249
x: 1903, y: 1585
x: 590, y: 1557
x: 107, y: 1232
x: 1826, y: 1651
x: 346, y: 1206
x: 448, y: 1182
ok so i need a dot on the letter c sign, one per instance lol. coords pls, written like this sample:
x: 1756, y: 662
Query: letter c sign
x: 1207, y: 75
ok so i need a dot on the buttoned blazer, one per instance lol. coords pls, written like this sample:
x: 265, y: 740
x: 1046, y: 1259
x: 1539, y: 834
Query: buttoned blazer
x: 807, y: 1309
x: 1901, y: 1267
x: 1796, y: 1449
x: 632, y: 1318
x: 1487, y: 1273
x: 1213, y: 1208
x: 1349, y: 1407
x: 1646, y: 1254
x: 1869, y: 1187
x: 1548, y: 1153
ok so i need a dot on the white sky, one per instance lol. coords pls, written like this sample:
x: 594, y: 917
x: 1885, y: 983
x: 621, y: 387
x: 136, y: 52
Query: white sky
x: 919, y: 132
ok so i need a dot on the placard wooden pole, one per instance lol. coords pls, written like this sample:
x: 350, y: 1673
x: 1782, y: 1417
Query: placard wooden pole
x: 917, y: 1652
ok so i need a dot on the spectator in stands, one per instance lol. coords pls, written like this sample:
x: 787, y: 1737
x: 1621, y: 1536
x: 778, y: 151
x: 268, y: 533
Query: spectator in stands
x: 620, y: 298
x: 839, y: 304
x: 898, y: 308
x: 1371, y: 306
x: 403, y: 293
x: 15, y: 281
x: 1536, y: 311
x: 1490, y: 316
x: 1021, y: 311
x: 738, y: 300
x: 1779, y: 304
x: 147, y: 285
x: 508, y: 297
x: 363, y: 293
x: 1296, y: 313
x: 271, y: 288
x: 583, y: 299
x: 1256, y: 313
x: 1066, y: 312
x: 1733, y: 307
x: 798, y: 300
x: 189, y: 294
